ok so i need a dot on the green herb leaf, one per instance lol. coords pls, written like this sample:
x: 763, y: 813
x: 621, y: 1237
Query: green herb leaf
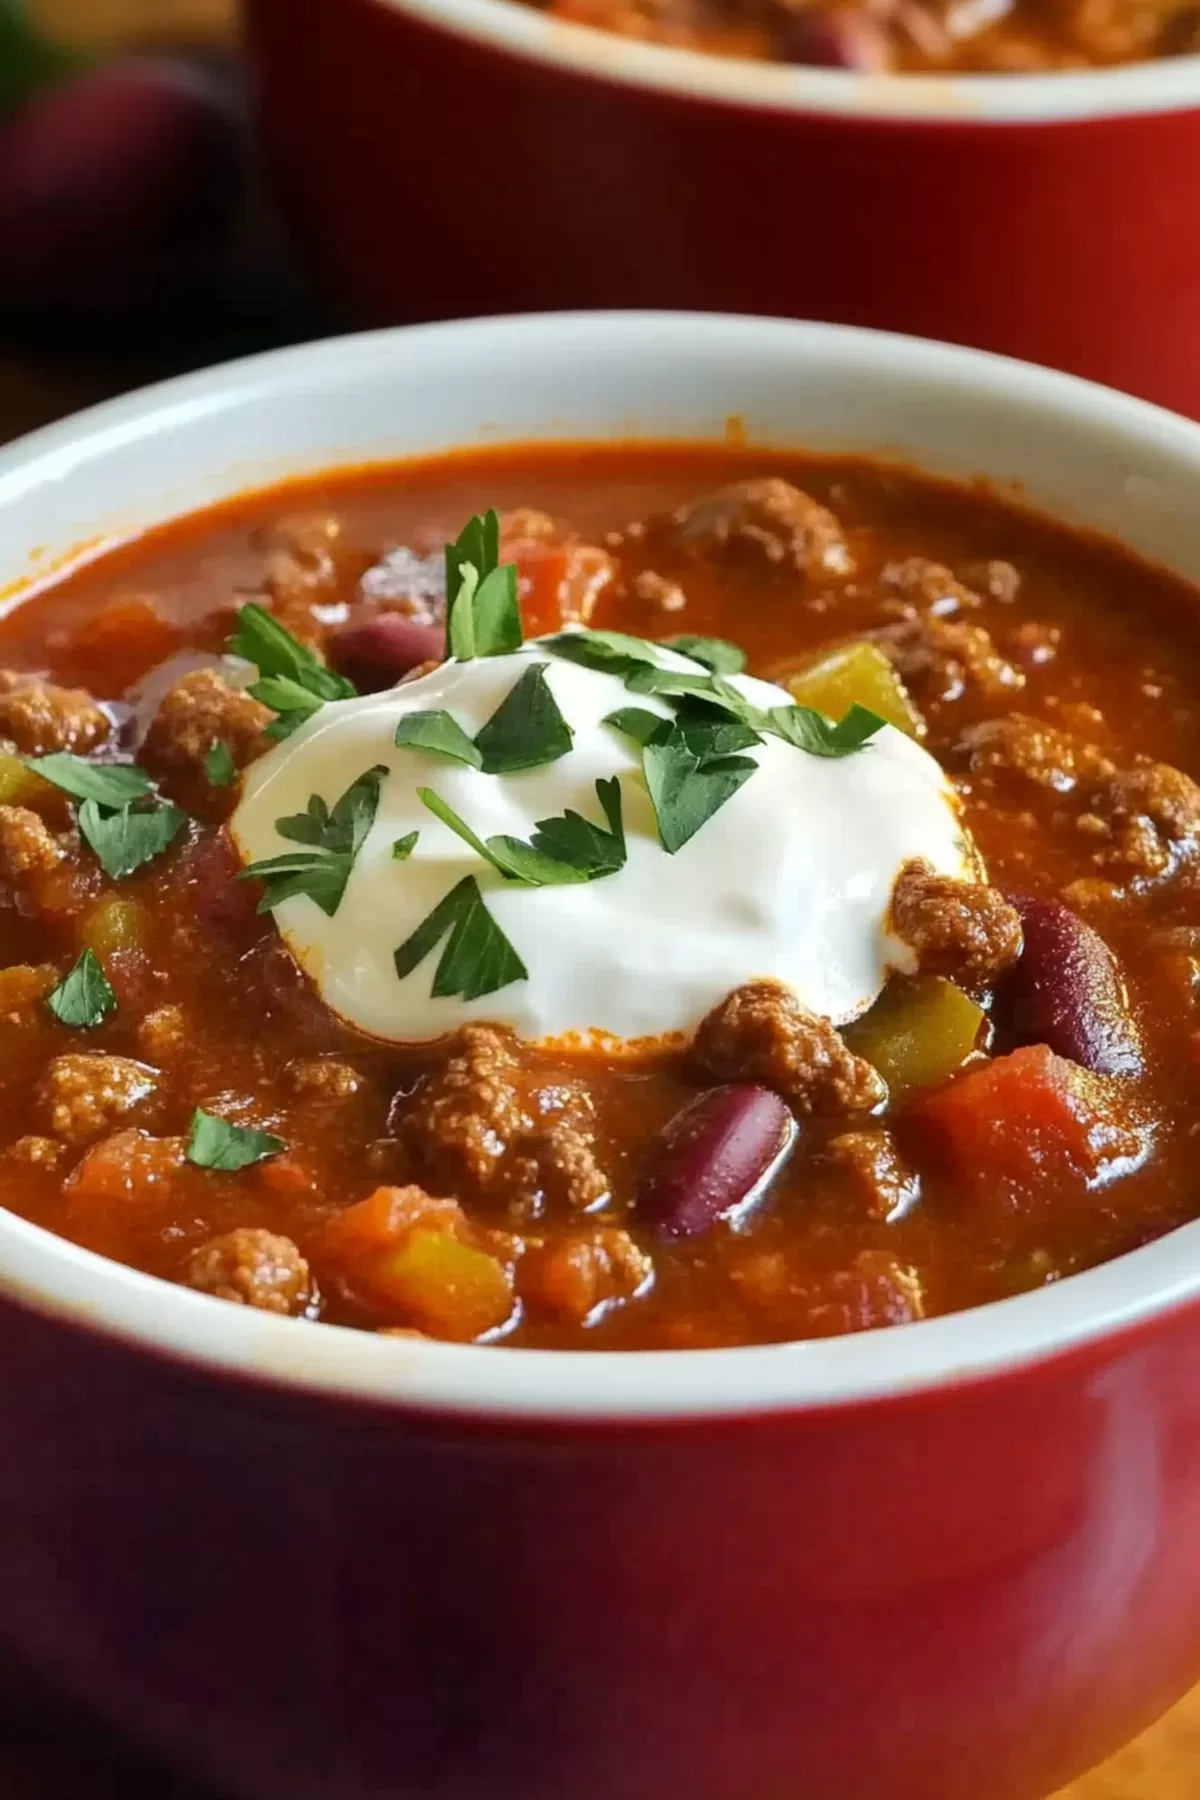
x: 441, y: 809
x: 124, y: 840
x: 219, y: 765
x: 572, y: 843
x: 708, y: 734
x: 262, y: 640
x: 293, y: 681
x: 404, y: 846
x: 526, y: 730
x: 812, y: 731
x: 322, y: 871
x: 215, y: 1144
x: 314, y: 873
x: 612, y: 652
x: 717, y: 654
x: 84, y: 997
x: 292, y: 703
x: 440, y: 733
x: 636, y: 723
x: 483, y: 614
x: 477, y: 959
x: 109, y: 784
x: 686, y: 789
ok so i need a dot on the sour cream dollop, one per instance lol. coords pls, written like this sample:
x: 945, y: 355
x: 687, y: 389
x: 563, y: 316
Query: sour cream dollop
x: 790, y: 879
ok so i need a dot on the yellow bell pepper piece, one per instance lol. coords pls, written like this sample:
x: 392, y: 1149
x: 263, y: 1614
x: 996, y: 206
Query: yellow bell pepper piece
x: 19, y: 786
x: 856, y: 671
x: 918, y: 1033
x: 113, y: 924
x: 443, y: 1286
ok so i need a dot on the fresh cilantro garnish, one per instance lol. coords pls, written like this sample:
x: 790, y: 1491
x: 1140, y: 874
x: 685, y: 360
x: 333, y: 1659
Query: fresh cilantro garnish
x: 812, y: 731
x: 687, y: 787
x: 404, y: 846
x: 219, y: 765
x: 124, y: 840
x: 526, y: 730
x: 611, y: 652
x: 292, y: 680
x: 336, y: 838
x: 440, y: 733
x: 637, y: 723
x: 109, y: 784
x: 477, y: 959
x: 121, y: 817
x: 85, y: 996
x: 722, y: 657
x: 483, y: 616
x: 560, y: 852
x: 216, y: 1144
x: 572, y: 841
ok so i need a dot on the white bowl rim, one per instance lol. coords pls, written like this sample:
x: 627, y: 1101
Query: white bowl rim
x: 66, y: 1283
x: 1169, y: 84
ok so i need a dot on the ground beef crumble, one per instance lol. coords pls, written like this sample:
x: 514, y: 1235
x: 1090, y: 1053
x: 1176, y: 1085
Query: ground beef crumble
x: 944, y: 659
x: 82, y: 1093
x: 760, y: 1032
x: 766, y: 521
x: 198, y: 712
x: 579, y: 1277
x: 39, y: 717
x: 253, y: 1268
x: 964, y: 930
x: 485, y: 1119
x: 873, y: 1169
x: 1031, y: 750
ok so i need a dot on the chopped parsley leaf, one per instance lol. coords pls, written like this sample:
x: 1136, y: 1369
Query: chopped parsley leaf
x: 404, y: 846
x: 526, y: 730
x: 477, y: 959
x: 686, y: 788
x: 219, y: 765
x: 717, y: 654
x: 483, y: 614
x: 335, y: 839
x: 611, y: 652
x: 134, y: 835
x: 216, y: 1144
x: 561, y: 851
x: 812, y: 731
x: 108, y: 784
x: 441, y: 734
x: 84, y: 997
x: 637, y: 723
x: 292, y: 680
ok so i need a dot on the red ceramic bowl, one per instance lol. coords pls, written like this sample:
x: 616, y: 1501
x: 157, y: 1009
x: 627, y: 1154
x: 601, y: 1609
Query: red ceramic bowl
x: 442, y: 158
x: 957, y: 1560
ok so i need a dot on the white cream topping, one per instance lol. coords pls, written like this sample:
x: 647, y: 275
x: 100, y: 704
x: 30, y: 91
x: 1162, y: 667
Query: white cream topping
x: 789, y: 879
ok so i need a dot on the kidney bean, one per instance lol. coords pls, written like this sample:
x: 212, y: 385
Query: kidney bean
x: 1066, y: 991
x: 712, y: 1155
x: 836, y: 37
x: 376, y: 652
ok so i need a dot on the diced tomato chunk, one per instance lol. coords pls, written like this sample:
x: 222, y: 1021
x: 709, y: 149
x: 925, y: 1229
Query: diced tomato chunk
x: 558, y: 584
x: 383, y: 1220
x: 1027, y: 1120
x: 130, y: 635
x: 411, y: 1255
x: 122, y: 1182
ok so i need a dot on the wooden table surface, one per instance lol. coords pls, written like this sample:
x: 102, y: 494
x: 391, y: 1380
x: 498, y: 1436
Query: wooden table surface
x: 47, y: 1752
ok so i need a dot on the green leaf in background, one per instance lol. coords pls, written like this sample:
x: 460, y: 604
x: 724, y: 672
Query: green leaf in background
x: 28, y: 61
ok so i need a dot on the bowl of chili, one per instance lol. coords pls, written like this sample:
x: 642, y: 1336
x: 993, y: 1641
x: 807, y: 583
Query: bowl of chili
x: 690, y: 1518
x: 441, y: 158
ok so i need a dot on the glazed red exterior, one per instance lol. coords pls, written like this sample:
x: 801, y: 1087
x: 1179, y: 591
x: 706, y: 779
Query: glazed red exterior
x: 432, y: 176
x: 975, y: 1592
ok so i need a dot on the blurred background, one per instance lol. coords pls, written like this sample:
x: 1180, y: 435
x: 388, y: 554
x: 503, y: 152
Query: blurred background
x: 133, y: 239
